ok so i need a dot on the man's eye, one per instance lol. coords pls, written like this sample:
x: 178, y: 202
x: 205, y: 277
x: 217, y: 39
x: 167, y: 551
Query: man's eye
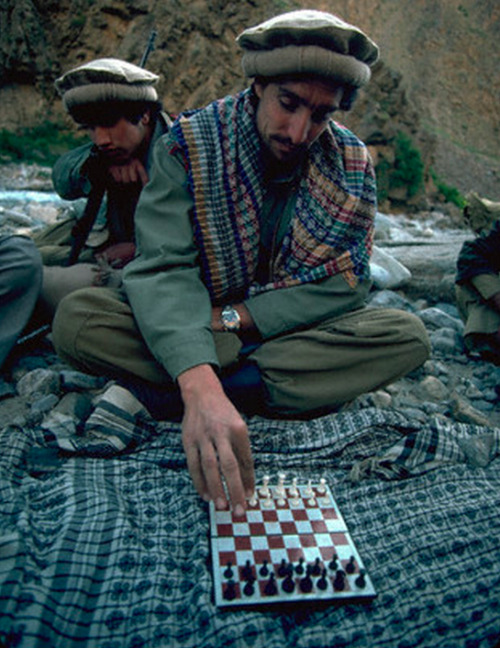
x: 289, y: 106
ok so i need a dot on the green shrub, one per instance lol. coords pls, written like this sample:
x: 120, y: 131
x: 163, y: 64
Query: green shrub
x: 42, y: 144
x: 448, y: 194
x: 407, y: 170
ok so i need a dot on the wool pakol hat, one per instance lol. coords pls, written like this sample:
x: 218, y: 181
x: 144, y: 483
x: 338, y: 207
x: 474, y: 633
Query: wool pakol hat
x: 106, y: 79
x: 308, y: 42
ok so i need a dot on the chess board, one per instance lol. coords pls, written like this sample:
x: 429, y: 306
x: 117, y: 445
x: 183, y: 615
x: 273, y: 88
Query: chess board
x: 291, y: 545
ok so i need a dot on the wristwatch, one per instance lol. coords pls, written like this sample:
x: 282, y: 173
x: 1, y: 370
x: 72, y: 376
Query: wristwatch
x: 230, y: 318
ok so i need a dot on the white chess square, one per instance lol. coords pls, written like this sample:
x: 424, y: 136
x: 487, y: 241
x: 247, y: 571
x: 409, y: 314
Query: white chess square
x: 303, y: 527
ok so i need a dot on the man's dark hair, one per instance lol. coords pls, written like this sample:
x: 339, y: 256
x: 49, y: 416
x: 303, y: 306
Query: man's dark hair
x: 108, y: 113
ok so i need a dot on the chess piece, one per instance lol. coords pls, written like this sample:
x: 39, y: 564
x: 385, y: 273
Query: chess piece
x: 268, y: 502
x: 230, y: 591
x: 309, y: 492
x: 361, y: 579
x: 264, y: 489
x: 306, y: 583
x: 288, y: 585
x: 294, y: 493
x: 316, y: 568
x: 351, y: 566
x: 247, y: 572
x: 321, y: 490
x: 300, y: 567
x: 228, y: 572
x: 264, y: 570
x: 271, y: 588
x: 333, y: 564
x: 339, y: 580
x: 322, y: 583
x: 249, y: 588
x: 283, y: 568
x: 253, y: 500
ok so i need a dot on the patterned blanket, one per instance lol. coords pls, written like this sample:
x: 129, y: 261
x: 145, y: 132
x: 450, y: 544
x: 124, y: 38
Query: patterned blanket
x: 105, y: 544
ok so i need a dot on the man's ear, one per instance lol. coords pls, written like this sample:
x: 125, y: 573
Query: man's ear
x: 146, y: 118
x: 258, y: 89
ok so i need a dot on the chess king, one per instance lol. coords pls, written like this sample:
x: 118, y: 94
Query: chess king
x: 253, y: 245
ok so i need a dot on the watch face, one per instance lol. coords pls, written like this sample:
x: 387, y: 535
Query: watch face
x: 230, y: 319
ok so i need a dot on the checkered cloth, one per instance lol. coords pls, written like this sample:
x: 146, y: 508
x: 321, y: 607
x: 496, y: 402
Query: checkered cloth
x: 104, y: 543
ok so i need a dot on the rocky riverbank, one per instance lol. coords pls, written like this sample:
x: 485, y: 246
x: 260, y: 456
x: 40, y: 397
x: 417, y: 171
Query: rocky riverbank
x: 413, y: 267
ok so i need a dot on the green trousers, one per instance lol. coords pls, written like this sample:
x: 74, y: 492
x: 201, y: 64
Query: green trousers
x: 481, y: 321
x: 304, y: 371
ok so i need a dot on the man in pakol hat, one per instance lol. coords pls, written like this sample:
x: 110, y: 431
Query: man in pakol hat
x: 254, y: 238
x: 117, y: 103
x: 478, y: 280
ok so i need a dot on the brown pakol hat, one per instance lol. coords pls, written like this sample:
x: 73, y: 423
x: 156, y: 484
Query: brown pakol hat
x: 106, y: 79
x: 308, y: 42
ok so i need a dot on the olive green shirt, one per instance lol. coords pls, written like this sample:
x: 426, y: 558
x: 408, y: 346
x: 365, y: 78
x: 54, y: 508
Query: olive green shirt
x: 163, y: 284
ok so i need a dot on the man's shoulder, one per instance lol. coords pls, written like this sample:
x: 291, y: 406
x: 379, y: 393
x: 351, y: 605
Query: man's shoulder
x: 344, y: 136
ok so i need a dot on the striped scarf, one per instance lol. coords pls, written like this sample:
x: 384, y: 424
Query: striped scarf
x: 331, y: 230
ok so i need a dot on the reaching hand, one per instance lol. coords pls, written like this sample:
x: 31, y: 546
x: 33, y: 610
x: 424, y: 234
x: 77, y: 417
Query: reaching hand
x: 215, y: 440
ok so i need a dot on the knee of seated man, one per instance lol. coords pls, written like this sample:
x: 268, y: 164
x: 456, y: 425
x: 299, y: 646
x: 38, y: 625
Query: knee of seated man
x: 27, y: 261
x: 68, y: 323
x: 415, y: 332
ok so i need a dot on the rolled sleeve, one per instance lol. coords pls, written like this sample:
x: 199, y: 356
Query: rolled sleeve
x: 280, y: 311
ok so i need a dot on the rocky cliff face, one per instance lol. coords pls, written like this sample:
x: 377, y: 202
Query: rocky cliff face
x: 437, y: 81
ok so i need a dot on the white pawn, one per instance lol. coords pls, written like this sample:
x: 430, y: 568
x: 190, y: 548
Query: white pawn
x: 310, y: 494
x: 264, y: 490
x: 280, y: 488
x: 294, y: 493
x: 322, y: 492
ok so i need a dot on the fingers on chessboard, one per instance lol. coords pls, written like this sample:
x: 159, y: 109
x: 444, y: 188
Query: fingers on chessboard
x: 280, y: 581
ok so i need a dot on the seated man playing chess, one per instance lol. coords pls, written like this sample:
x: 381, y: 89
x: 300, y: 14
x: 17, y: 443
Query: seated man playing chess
x: 254, y: 237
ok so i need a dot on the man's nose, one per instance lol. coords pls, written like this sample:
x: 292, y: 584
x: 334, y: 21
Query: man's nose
x: 101, y: 136
x: 300, y: 127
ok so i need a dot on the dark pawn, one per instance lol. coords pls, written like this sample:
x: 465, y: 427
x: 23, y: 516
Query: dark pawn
x: 249, y: 588
x: 264, y: 570
x: 300, y: 567
x: 230, y: 591
x: 288, y: 584
x: 228, y: 572
x: 351, y: 566
x: 333, y: 565
x: 316, y: 568
x: 322, y: 583
x: 306, y: 583
x: 247, y: 572
x: 271, y: 589
x: 360, y: 580
x: 283, y: 569
x: 339, y: 581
